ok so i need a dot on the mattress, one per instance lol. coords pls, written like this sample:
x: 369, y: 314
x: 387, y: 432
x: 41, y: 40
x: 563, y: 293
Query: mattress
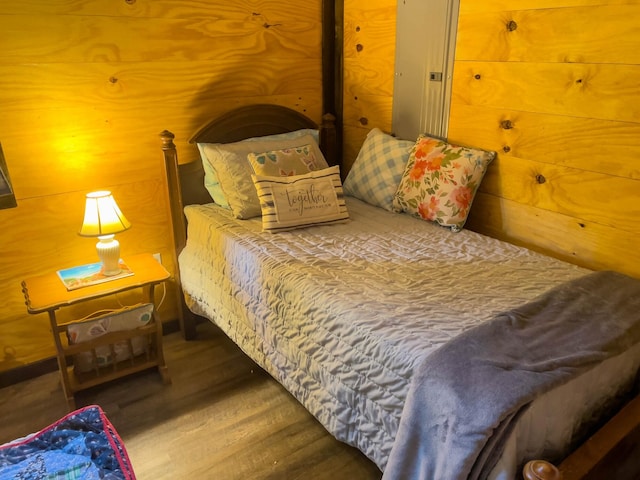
x: 340, y: 315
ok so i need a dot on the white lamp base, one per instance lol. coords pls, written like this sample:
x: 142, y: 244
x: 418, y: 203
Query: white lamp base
x: 109, y: 252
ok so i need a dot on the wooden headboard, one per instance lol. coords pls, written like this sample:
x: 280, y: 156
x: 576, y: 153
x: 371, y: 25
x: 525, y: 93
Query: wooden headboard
x: 185, y: 182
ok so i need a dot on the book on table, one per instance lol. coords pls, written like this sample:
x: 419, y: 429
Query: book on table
x: 90, y: 274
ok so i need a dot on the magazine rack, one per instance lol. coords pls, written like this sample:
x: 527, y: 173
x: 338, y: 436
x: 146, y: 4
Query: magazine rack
x: 47, y: 293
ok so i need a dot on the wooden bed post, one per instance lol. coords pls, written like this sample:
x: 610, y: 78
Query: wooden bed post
x: 332, y: 59
x: 179, y: 227
x: 540, y: 470
x: 185, y: 182
x: 611, y: 452
x: 328, y: 139
x: 175, y: 193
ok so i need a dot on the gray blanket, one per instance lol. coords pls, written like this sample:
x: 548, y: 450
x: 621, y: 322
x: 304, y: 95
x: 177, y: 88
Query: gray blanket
x: 466, y: 396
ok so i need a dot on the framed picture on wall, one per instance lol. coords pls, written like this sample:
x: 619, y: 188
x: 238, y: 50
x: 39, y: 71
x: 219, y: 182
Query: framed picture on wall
x: 7, y: 198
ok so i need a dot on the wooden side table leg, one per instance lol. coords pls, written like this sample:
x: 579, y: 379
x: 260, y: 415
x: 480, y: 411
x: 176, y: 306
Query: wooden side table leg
x: 162, y: 366
x: 62, y: 362
x: 71, y: 402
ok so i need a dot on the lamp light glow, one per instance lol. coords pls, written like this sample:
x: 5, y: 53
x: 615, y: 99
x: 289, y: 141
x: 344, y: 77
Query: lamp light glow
x: 103, y: 219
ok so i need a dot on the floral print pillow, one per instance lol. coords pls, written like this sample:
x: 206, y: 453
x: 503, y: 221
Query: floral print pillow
x: 288, y: 161
x: 440, y: 181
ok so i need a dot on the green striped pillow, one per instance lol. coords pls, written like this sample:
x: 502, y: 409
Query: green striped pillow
x: 299, y: 201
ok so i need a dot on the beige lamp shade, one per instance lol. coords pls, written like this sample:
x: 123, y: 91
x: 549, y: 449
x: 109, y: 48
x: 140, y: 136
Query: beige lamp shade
x: 103, y: 219
x: 102, y: 216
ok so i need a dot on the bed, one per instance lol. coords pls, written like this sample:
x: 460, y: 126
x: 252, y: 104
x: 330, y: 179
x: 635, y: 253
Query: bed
x: 353, y: 316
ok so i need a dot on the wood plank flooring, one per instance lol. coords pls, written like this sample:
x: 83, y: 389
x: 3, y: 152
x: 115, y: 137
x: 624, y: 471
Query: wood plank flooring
x: 222, y: 418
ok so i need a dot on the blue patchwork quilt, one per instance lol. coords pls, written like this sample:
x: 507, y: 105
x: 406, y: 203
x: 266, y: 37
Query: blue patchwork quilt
x: 82, y: 445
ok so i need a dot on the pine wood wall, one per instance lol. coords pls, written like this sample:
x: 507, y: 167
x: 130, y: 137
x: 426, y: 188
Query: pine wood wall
x: 369, y: 62
x: 87, y: 86
x: 553, y: 86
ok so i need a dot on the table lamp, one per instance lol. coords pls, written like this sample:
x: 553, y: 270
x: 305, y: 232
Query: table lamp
x: 103, y: 219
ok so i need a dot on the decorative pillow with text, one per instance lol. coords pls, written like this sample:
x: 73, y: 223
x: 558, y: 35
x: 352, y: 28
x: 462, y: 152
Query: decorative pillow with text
x: 312, y: 199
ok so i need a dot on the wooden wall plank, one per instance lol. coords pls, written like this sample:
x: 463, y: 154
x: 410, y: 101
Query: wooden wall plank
x: 552, y: 35
x: 87, y: 39
x: 368, y: 111
x: 369, y: 45
x: 113, y: 87
x: 81, y: 134
x: 367, y: 30
x: 568, y: 191
x: 211, y: 10
x: 367, y: 77
x: 87, y: 87
x: 353, y: 140
x: 607, y: 92
x: 571, y: 239
x: 556, y: 97
x: 78, y: 148
x: 510, y: 5
x: 602, y: 146
x: 27, y: 340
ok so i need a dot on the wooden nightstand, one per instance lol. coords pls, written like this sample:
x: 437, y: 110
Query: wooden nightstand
x: 46, y: 293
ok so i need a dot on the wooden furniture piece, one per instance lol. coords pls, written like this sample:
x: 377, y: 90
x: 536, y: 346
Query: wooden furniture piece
x: 612, y: 452
x: 185, y: 187
x: 46, y: 293
x: 186, y: 180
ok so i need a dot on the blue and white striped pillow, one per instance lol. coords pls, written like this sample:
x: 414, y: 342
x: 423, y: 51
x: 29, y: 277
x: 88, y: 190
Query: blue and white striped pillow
x: 378, y: 169
x: 313, y: 199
